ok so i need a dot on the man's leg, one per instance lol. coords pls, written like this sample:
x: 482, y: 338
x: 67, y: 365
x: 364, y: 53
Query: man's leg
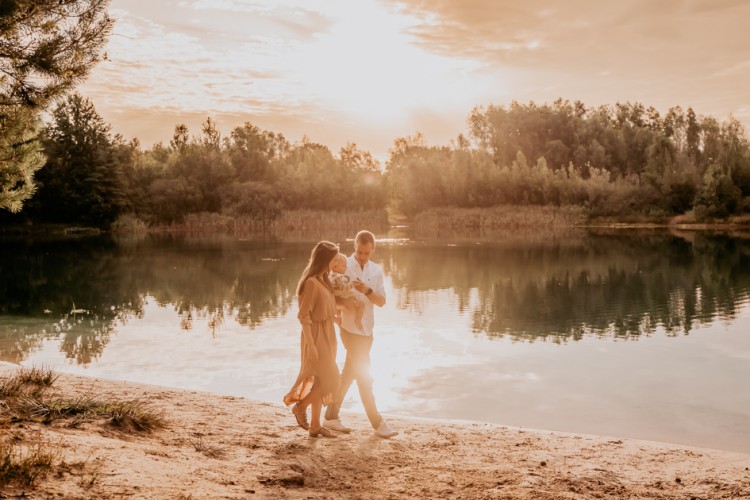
x: 347, y: 377
x: 364, y: 380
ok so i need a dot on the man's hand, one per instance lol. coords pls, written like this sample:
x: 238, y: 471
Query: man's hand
x: 361, y: 286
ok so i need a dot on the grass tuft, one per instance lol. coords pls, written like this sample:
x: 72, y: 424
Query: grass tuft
x: 206, y: 448
x: 41, y: 376
x: 22, y: 398
x: 126, y: 415
x: 27, y: 381
x: 133, y: 416
x: 23, y: 465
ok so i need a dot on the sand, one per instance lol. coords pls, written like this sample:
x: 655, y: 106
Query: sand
x: 231, y: 447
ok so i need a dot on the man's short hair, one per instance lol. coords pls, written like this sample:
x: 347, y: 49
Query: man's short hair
x: 364, y: 237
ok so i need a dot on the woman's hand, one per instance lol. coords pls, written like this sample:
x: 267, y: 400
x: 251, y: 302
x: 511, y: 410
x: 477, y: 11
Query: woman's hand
x: 312, y: 353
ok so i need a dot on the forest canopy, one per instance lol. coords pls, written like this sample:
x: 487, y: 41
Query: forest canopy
x: 626, y: 159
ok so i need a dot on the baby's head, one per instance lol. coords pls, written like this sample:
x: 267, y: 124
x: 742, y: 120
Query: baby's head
x: 340, y: 265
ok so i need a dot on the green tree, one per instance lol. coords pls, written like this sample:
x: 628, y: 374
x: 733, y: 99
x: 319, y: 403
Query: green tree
x: 20, y: 156
x: 81, y: 181
x: 46, y: 47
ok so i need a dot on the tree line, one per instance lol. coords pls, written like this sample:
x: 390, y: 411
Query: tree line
x: 614, y: 160
x: 92, y: 176
x: 618, y: 160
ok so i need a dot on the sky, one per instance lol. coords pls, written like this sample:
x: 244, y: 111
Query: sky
x: 368, y: 71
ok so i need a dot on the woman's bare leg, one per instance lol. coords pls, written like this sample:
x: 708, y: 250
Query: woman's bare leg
x: 307, y: 400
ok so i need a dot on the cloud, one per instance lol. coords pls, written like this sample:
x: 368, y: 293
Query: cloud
x: 371, y: 71
x: 686, y: 52
x: 581, y: 33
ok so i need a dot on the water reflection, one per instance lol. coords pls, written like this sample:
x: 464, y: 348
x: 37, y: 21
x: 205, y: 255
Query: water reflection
x: 74, y: 290
x: 79, y: 290
x: 619, y: 284
x: 623, y: 285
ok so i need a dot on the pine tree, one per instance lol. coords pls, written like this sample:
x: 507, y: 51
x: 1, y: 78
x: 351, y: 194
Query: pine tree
x: 46, y: 48
x: 20, y: 157
x: 82, y: 180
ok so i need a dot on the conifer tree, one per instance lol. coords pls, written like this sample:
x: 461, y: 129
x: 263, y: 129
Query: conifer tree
x: 46, y: 48
x: 82, y: 180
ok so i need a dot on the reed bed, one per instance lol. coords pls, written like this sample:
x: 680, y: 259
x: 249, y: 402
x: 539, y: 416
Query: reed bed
x: 502, y: 217
x: 288, y: 221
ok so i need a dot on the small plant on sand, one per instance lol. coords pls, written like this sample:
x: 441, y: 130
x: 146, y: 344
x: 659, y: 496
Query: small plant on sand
x: 41, y: 376
x: 87, y: 473
x: 24, y: 464
x: 208, y: 449
x: 27, y: 381
x: 133, y: 416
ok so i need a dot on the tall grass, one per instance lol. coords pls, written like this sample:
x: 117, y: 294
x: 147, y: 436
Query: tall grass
x: 501, y: 217
x: 287, y: 221
x: 128, y: 223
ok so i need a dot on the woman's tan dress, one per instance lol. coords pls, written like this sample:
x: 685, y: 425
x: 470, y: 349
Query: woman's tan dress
x: 317, y: 307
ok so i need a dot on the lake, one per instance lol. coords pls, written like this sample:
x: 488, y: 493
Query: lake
x: 641, y: 334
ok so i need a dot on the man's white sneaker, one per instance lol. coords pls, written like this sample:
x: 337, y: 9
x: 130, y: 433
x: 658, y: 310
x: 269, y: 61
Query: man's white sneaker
x: 384, y: 431
x: 336, y: 425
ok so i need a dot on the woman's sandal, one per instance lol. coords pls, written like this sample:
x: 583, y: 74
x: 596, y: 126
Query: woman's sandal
x: 322, y: 431
x: 300, y: 413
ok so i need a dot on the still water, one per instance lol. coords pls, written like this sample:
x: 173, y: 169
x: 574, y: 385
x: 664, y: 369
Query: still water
x: 631, y: 334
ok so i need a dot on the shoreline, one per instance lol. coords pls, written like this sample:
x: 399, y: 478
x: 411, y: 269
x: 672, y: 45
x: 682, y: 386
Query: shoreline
x: 233, y: 447
x: 495, y: 219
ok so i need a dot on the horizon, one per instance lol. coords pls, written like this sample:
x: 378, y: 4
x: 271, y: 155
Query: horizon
x: 368, y: 73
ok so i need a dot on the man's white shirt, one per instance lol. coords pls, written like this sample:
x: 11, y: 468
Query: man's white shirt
x: 371, y: 276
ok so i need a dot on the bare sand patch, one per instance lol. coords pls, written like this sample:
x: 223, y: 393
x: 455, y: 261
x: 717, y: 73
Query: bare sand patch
x: 230, y: 447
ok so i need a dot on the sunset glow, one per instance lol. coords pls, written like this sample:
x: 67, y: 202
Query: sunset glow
x: 370, y: 71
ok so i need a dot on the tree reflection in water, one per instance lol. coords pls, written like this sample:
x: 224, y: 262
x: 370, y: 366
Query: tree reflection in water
x: 623, y: 284
x: 43, y: 281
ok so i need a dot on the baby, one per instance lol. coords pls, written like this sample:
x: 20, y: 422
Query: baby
x: 343, y: 290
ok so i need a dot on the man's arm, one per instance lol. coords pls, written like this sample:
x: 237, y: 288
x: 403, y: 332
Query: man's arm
x: 376, y: 297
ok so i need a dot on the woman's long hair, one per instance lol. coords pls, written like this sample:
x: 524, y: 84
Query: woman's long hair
x: 320, y: 257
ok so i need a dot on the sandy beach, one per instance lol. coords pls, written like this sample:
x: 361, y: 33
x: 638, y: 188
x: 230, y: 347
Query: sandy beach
x: 230, y: 447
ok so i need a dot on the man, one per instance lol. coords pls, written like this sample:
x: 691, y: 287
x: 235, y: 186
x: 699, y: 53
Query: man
x: 367, y: 278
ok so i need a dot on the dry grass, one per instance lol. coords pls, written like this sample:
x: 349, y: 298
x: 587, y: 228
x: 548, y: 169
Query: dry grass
x: 23, y: 397
x: 208, y: 449
x: 504, y: 217
x: 40, y: 376
x: 292, y: 220
x: 134, y: 416
x: 27, y: 382
x: 23, y: 464
x: 27, y: 397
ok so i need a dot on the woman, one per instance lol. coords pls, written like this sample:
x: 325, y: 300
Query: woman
x: 318, y: 380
